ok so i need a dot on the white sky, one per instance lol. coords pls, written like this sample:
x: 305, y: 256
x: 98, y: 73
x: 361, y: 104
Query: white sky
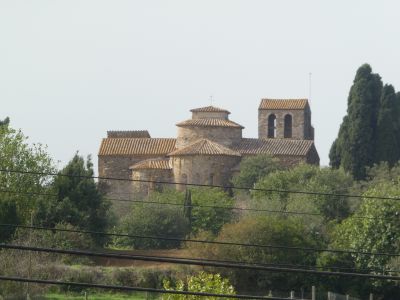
x: 71, y: 70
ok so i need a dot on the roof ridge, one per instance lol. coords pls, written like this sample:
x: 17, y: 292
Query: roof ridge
x: 210, y: 108
x: 137, y: 146
x: 289, y: 103
x: 209, y: 122
x: 205, y: 147
x: 152, y: 163
x: 275, y: 146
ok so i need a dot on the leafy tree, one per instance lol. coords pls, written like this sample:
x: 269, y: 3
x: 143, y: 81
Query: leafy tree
x: 306, y: 178
x: 374, y: 227
x: 379, y: 232
x: 17, y: 155
x: 355, y: 145
x: 387, y: 148
x: 202, y: 282
x: 253, y: 168
x: 377, y: 174
x: 202, y: 217
x: 208, y: 218
x: 266, y: 230
x: 159, y: 220
x: 78, y: 201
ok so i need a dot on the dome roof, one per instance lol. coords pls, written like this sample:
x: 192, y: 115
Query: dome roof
x: 209, y: 109
x: 209, y: 122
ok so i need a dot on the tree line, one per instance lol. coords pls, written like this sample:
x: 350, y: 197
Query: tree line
x: 364, y: 161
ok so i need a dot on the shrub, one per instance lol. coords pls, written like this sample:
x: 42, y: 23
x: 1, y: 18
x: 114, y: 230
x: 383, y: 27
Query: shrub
x: 254, y: 168
x: 162, y: 221
x: 265, y: 230
x: 202, y: 282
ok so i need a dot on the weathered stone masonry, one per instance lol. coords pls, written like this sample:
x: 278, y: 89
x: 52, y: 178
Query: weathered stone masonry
x: 208, y: 148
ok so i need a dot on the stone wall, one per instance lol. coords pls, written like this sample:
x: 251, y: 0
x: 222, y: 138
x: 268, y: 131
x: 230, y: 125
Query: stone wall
x: 223, y: 135
x: 301, y: 123
x: 141, y: 188
x: 118, y: 167
x: 204, y: 169
x: 308, y: 129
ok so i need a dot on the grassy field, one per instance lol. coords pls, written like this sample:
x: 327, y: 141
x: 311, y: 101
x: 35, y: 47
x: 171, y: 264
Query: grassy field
x: 96, y: 297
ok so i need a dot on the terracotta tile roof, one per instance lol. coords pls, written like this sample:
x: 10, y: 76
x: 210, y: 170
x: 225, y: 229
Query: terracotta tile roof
x: 136, y: 146
x: 128, y: 134
x: 204, y: 147
x: 156, y: 163
x: 209, y: 123
x: 283, y: 103
x: 210, y: 109
x: 274, y: 146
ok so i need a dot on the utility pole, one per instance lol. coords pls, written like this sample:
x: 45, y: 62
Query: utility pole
x: 313, y: 293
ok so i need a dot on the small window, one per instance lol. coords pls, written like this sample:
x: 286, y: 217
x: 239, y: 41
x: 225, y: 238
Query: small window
x: 287, y: 132
x: 272, y: 126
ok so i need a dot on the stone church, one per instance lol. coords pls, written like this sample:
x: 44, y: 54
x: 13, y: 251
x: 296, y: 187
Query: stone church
x: 208, y: 148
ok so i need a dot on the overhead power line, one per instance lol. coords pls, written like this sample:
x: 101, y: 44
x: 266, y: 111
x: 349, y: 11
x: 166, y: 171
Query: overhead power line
x: 294, y: 248
x: 201, y: 241
x: 129, y: 288
x: 148, y: 202
x: 196, y: 262
x: 176, y: 204
x: 204, y: 185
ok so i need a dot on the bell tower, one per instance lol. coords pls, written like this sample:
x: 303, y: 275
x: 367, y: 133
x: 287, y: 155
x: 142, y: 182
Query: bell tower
x: 285, y: 119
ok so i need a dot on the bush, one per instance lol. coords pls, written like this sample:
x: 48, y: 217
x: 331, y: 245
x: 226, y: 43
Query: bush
x: 208, y: 218
x: 307, y: 178
x: 202, y: 282
x: 263, y: 230
x: 162, y: 221
x: 254, y: 168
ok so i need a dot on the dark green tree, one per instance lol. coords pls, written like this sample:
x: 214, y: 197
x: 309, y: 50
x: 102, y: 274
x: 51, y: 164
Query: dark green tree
x: 5, y: 122
x: 154, y: 220
x: 354, y: 148
x: 387, y: 148
x: 8, y: 215
x: 78, y: 200
x: 265, y: 230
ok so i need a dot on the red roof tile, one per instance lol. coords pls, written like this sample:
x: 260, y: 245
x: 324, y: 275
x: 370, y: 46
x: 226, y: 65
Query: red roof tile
x: 283, y: 104
x: 209, y: 123
x: 204, y: 147
x: 136, y: 146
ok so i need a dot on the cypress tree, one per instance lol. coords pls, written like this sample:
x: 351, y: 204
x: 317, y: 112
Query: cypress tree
x: 387, y: 129
x: 355, y: 146
x: 5, y: 122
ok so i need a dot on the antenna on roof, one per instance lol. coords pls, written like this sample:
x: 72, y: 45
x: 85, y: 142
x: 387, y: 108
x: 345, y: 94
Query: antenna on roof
x: 211, y: 100
x: 309, y: 87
